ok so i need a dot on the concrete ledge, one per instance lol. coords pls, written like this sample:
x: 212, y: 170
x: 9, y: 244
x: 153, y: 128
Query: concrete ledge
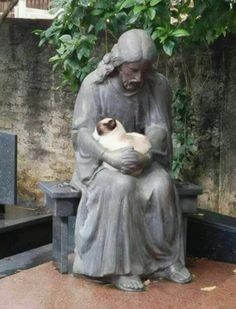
x: 211, y: 235
x: 23, y: 229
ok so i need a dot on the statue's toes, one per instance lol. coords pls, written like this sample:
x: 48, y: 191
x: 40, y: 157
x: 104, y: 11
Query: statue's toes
x: 126, y: 285
x: 138, y: 285
x: 180, y: 277
x: 129, y: 283
x: 179, y: 274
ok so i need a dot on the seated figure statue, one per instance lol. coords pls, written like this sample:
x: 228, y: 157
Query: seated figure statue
x: 128, y: 228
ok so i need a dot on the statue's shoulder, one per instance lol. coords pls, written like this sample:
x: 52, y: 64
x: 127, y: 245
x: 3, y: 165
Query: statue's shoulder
x: 161, y: 80
x: 90, y: 80
x: 161, y: 84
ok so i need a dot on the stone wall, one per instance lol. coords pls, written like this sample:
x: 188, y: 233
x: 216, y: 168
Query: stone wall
x: 212, y: 74
x: 227, y: 166
x: 32, y: 106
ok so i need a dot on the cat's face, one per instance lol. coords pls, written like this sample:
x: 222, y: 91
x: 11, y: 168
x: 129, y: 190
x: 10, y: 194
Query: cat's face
x: 106, y: 125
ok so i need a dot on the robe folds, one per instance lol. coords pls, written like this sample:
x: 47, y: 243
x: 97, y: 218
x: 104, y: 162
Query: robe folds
x: 125, y: 224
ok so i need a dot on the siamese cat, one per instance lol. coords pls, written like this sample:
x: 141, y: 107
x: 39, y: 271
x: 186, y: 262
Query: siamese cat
x: 111, y: 134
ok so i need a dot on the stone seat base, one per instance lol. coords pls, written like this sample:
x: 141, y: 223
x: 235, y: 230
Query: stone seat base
x: 63, y: 200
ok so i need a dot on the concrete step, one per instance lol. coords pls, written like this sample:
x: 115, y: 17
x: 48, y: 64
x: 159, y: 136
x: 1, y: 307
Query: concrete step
x: 25, y: 260
x: 23, y: 229
x: 212, y: 235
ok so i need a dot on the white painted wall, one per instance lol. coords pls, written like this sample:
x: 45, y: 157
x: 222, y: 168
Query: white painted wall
x: 21, y: 11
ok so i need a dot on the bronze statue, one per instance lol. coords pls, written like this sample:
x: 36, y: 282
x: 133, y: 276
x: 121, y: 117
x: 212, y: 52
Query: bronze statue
x: 128, y: 228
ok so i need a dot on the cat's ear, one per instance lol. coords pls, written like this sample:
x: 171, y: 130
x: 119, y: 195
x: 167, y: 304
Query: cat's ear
x: 112, y: 124
x: 100, y: 129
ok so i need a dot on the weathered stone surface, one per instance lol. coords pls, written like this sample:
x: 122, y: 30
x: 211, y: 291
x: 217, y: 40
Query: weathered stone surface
x: 32, y: 107
x: 214, y: 92
x: 8, y: 163
x: 227, y: 184
x: 212, y: 76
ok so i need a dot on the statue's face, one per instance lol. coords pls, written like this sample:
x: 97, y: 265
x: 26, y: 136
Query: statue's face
x: 132, y: 74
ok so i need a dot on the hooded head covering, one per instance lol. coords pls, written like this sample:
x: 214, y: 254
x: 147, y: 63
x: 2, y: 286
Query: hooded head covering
x: 133, y: 45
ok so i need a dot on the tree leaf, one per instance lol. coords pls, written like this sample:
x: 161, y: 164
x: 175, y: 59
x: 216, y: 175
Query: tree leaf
x: 84, y: 2
x: 127, y: 4
x: 90, y: 28
x: 65, y: 38
x: 208, y: 288
x: 61, y: 50
x: 169, y: 47
x: 133, y: 19
x: 155, y: 2
x: 180, y: 32
x: 160, y: 33
x: 155, y: 35
x: 42, y: 41
x: 55, y: 65
x: 37, y: 31
x: 151, y: 13
x: 138, y: 9
x: 97, y: 12
x: 100, y: 25
x: 54, y: 58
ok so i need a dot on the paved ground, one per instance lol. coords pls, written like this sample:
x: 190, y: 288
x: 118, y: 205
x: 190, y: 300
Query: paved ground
x: 27, y: 259
x: 43, y: 287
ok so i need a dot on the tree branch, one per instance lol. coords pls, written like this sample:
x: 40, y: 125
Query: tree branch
x: 10, y: 6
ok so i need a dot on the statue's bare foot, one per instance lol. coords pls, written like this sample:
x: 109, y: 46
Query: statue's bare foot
x: 177, y: 273
x: 128, y: 283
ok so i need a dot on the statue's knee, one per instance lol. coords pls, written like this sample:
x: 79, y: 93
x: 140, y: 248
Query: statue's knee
x: 125, y: 183
x: 163, y: 185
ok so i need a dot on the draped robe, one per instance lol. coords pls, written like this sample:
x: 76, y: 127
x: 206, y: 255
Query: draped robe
x: 125, y: 225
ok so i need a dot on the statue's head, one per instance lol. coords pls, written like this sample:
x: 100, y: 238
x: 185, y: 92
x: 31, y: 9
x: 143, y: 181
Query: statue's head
x: 132, y: 57
x: 133, y: 45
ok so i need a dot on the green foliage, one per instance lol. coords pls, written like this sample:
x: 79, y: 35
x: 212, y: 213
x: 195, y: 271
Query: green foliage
x: 79, y: 24
x: 82, y: 30
x: 185, y: 143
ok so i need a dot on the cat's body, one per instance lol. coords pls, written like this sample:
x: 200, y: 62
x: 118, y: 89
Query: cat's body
x: 111, y: 134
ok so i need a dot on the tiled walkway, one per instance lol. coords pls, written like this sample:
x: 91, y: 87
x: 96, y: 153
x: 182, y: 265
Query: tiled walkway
x: 43, y: 287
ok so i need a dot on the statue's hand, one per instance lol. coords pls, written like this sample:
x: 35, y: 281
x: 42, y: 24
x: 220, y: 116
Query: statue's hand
x: 134, y: 161
x: 126, y: 160
x: 114, y: 158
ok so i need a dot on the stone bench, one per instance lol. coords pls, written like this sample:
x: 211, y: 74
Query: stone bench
x: 63, y: 200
